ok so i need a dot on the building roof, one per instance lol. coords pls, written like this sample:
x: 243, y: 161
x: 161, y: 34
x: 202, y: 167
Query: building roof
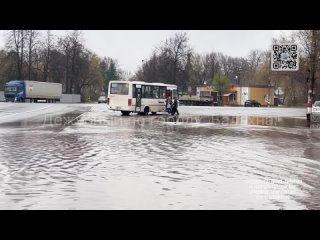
x: 257, y: 86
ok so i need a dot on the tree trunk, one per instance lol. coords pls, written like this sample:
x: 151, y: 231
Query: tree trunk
x: 67, y: 74
x: 21, y: 61
x: 30, y: 57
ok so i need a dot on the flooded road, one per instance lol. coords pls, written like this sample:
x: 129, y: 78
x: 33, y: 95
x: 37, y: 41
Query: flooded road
x: 87, y: 157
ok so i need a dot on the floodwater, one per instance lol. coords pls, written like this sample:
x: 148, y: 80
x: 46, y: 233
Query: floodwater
x: 205, y: 158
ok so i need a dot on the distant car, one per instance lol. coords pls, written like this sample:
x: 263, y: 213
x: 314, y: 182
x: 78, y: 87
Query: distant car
x: 252, y: 103
x: 102, y: 99
x: 316, y: 107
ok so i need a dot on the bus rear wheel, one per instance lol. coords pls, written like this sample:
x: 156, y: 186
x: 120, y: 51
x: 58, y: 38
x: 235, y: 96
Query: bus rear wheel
x: 146, y: 111
x: 125, y: 113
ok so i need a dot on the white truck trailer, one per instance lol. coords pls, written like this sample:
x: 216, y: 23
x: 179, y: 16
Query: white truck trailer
x: 20, y: 91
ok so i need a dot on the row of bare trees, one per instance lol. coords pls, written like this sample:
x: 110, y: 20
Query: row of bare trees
x: 42, y: 56
x: 174, y: 61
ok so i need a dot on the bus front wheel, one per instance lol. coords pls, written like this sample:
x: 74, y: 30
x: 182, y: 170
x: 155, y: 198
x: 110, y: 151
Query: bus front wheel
x: 125, y: 113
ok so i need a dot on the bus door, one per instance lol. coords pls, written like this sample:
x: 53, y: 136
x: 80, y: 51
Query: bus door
x: 138, y: 94
x: 169, y: 93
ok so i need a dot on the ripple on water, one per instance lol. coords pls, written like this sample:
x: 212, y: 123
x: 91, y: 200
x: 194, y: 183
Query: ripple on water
x: 155, y: 162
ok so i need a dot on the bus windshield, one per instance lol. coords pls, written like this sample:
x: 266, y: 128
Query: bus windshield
x: 119, y: 88
x: 10, y: 89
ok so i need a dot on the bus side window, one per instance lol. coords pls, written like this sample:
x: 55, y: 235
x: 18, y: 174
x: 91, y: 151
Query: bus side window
x: 124, y: 89
x: 155, y: 92
x: 147, y: 92
x: 144, y: 95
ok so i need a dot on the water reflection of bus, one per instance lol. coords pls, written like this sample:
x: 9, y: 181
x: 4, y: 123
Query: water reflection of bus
x: 139, y: 97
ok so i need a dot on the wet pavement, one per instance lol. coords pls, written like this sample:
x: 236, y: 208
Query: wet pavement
x: 87, y: 157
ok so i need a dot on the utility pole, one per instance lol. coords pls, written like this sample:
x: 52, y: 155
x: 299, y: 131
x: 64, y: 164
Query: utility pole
x: 313, y: 68
x: 269, y: 82
x: 313, y: 63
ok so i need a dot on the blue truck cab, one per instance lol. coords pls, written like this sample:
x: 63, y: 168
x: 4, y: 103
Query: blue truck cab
x: 14, y: 91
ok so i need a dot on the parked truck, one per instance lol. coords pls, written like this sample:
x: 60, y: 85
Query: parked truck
x: 33, y: 91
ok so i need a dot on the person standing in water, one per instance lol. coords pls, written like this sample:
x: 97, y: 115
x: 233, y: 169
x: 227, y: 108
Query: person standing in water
x: 175, y: 107
x: 169, y: 104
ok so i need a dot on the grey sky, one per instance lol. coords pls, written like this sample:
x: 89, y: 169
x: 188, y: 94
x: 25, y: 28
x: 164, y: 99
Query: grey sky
x: 130, y: 47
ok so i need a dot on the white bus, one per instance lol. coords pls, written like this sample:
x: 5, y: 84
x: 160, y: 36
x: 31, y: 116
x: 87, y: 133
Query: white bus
x: 139, y: 97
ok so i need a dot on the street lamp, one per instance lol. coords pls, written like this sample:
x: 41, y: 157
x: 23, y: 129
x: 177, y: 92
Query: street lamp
x: 269, y: 97
x: 237, y: 80
x: 239, y: 88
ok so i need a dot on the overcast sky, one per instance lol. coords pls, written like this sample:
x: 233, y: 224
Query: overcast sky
x: 130, y: 47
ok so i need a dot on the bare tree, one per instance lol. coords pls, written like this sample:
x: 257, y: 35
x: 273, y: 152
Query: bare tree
x: 198, y: 70
x: 109, y: 70
x: 48, y: 45
x: 204, y: 67
x: 176, y: 49
x: 91, y: 78
x: 170, y: 62
x: 67, y: 62
x: 72, y: 48
x: 310, y: 40
x: 16, y: 42
x: 32, y: 40
x: 254, y: 60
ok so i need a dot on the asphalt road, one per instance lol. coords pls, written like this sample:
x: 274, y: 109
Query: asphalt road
x: 37, y: 114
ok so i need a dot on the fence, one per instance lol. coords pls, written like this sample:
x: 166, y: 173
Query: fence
x: 2, y: 99
x: 70, y: 98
